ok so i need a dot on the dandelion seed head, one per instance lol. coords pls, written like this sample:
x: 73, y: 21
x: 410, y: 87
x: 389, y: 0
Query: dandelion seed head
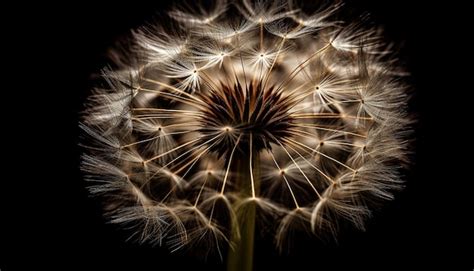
x: 247, y: 104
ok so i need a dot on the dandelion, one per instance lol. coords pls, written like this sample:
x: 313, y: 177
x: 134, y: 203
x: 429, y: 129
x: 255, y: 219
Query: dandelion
x: 244, y: 115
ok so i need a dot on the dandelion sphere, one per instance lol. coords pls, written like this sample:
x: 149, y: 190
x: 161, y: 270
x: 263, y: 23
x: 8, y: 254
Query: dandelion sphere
x: 260, y: 108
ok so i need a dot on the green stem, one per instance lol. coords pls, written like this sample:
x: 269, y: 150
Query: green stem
x: 240, y: 256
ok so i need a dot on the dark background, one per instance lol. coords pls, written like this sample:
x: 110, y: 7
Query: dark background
x: 49, y: 222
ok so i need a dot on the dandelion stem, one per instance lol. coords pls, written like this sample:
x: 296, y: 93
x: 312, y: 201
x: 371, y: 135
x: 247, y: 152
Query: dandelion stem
x: 240, y: 256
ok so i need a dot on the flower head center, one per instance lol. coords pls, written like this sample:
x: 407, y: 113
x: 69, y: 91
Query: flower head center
x: 246, y: 112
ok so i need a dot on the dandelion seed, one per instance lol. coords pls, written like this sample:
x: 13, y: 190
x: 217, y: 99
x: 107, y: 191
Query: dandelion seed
x: 250, y: 110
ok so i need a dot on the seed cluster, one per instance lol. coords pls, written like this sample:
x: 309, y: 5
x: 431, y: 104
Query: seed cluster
x: 247, y: 103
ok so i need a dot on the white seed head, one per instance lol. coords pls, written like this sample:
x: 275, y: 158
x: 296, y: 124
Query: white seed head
x: 315, y: 109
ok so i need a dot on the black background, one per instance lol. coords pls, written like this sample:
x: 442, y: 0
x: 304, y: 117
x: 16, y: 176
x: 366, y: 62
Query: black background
x: 50, y: 223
